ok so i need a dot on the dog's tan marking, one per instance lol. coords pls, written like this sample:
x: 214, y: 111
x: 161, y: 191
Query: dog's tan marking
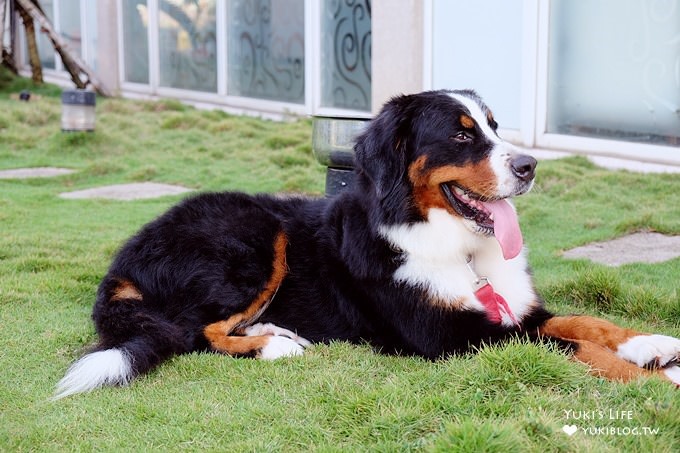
x: 458, y: 303
x: 598, y: 331
x: 233, y: 345
x: 425, y: 195
x: 598, y: 341
x: 467, y: 122
x: 218, y: 333
x: 604, y: 363
x: 126, y: 290
x: 478, y: 177
x: 489, y: 116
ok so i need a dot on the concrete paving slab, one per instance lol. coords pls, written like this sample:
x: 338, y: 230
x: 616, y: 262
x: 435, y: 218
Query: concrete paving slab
x: 643, y: 247
x: 135, y: 191
x: 36, y: 172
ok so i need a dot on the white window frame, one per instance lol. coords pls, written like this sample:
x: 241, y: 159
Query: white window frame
x: 584, y: 145
x: 534, y: 105
x: 221, y: 98
x: 246, y: 104
x: 86, y: 51
x: 530, y: 37
x: 314, y: 53
x: 58, y: 75
x: 134, y: 89
x: 525, y: 135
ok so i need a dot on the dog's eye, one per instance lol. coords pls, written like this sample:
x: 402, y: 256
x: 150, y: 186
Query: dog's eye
x: 461, y: 137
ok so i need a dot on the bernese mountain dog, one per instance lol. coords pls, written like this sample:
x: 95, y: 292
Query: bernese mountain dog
x: 423, y: 256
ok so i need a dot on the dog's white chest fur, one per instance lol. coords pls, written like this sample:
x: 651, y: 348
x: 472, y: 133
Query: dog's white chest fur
x: 435, y: 259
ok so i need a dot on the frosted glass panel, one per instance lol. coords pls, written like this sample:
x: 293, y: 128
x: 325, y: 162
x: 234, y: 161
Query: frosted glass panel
x: 267, y: 49
x: 69, y: 24
x: 346, y: 54
x: 187, y: 44
x: 136, y: 41
x: 93, y: 53
x: 615, y: 70
x: 478, y: 45
x: 45, y: 48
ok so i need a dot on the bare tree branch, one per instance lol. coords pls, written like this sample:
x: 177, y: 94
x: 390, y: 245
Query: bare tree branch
x: 32, y: 45
x: 73, y: 64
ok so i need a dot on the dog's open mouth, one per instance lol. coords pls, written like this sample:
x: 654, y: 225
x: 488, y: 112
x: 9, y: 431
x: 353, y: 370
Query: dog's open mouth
x: 469, y: 205
x: 496, y: 217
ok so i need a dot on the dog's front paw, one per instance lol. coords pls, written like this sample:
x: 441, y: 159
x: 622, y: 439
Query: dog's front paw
x: 653, y: 351
x: 673, y: 373
x: 278, y: 347
x: 271, y: 329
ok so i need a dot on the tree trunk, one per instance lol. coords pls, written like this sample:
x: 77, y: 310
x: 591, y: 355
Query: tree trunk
x: 6, y: 58
x: 31, y: 44
x: 8, y: 62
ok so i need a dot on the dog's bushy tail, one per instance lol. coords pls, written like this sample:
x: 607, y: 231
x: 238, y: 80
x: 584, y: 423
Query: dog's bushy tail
x: 120, y: 359
x: 96, y: 369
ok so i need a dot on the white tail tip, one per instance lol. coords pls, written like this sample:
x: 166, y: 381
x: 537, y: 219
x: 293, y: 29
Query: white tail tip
x: 109, y: 367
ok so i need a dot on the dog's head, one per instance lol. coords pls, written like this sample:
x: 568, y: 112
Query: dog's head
x: 440, y: 149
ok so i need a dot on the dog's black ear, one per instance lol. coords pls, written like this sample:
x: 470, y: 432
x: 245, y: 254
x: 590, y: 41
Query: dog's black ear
x: 380, y: 151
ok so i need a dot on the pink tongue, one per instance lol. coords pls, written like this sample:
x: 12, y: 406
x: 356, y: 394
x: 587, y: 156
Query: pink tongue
x: 505, y: 227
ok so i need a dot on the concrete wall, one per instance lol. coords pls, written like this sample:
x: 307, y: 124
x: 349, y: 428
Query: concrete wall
x: 397, y: 54
x: 107, y: 45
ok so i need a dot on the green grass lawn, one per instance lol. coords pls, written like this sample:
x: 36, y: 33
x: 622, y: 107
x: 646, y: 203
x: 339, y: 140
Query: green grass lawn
x: 336, y: 397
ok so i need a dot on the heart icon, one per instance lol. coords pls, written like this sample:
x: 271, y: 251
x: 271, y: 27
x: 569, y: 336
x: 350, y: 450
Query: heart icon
x: 569, y: 429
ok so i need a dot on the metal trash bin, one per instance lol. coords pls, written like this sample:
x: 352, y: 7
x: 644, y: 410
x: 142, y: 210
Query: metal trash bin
x: 77, y: 110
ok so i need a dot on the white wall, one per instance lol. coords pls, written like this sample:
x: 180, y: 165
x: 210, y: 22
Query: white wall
x: 478, y: 45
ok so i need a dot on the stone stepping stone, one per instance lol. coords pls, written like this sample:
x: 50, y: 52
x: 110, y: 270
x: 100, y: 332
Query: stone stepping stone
x: 643, y: 247
x: 135, y: 191
x: 37, y: 172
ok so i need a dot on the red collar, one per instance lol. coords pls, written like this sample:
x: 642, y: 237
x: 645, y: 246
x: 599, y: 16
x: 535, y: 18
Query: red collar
x: 494, y: 304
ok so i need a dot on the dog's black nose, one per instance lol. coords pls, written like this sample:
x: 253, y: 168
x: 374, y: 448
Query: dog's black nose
x: 523, y: 167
